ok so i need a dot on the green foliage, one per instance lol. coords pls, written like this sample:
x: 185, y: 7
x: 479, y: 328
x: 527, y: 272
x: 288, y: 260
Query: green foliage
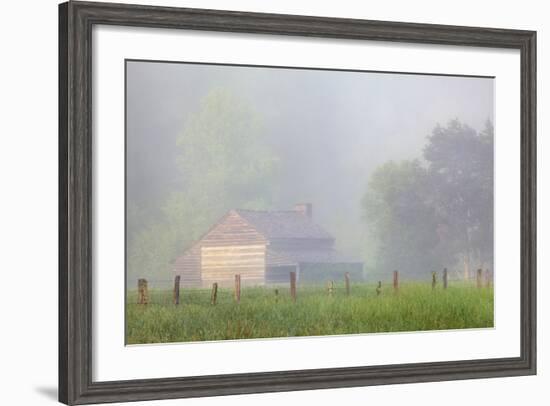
x: 224, y: 163
x: 460, y: 165
x: 424, y: 217
x: 261, y: 315
x: 401, y: 223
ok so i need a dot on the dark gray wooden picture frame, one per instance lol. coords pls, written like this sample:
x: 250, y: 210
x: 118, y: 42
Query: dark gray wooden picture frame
x: 76, y: 20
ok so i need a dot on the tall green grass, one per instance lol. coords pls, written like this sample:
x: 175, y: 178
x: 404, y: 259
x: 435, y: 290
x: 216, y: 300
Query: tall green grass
x: 262, y: 314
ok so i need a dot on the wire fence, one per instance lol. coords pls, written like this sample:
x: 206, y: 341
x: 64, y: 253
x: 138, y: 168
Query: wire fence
x: 165, y: 292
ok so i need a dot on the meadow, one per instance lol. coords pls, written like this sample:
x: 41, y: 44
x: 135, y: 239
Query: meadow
x: 263, y: 314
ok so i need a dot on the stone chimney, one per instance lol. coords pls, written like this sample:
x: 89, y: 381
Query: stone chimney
x: 304, y: 208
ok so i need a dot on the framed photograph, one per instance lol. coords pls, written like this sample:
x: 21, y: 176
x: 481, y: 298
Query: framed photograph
x: 258, y: 202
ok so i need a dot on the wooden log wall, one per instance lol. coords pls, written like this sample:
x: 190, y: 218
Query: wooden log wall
x: 220, y: 264
x: 284, y: 244
x: 233, y: 247
x: 188, y: 267
x: 232, y: 230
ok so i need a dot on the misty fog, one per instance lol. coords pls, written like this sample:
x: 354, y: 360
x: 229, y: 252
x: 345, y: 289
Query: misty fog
x: 326, y: 130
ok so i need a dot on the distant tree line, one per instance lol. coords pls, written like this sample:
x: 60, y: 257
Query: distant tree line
x: 437, y: 211
x: 223, y: 163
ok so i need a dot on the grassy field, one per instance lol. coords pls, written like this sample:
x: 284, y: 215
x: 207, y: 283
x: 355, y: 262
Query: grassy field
x: 261, y: 314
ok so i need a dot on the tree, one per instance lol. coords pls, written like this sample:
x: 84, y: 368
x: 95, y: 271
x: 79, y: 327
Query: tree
x: 426, y: 216
x: 399, y: 219
x: 224, y: 162
x: 460, y: 166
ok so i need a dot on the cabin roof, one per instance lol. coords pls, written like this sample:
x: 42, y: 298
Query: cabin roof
x: 283, y: 224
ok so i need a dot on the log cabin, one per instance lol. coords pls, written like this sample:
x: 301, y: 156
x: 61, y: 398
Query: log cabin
x: 264, y: 247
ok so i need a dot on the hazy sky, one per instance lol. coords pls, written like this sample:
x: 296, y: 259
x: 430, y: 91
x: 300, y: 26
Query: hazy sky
x: 332, y: 127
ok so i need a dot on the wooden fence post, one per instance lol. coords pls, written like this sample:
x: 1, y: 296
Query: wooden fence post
x: 238, y: 288
x: 293, y: 285
x: 330, y: 287
x: 434, y: 279
x: 346, y: 277
x: 379, y: 288
x: 445, y: 278
x: 478, y: 277
x: 214, y: 295
x: 396, y: 281
x: 143, y: 293
x: 177, y: 290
